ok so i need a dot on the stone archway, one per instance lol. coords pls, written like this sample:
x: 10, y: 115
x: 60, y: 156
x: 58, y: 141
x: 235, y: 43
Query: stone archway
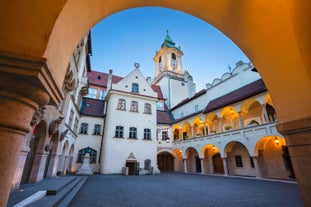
x: 165, y: 162
x: 49, y: 31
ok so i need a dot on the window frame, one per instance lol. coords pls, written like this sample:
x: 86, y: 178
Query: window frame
x: 238, y: 161
x: 148, y: 108
x: 84, y: 128
x: 147, y: 134
x: 134, y: 106
x: 135, y: 88
x: 119, y: 132
x: 97, y: 129
x: 133, y: 133
x: 121, y: 104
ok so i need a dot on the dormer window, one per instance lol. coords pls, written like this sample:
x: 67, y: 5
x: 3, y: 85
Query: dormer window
x: 135, y: 88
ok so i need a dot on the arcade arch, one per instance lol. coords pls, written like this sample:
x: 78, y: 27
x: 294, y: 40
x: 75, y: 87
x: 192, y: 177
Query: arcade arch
x: 50, y: 40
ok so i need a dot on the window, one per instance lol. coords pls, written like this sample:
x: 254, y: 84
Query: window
x: 102, y: 94
x: 147, y: 108
x: 70, y: 118
x: 119, y: 131
x: 160, y: 63
x: 90, y: 151
x: 135, y: 87
x: 238, y: 161
x: 76, y: 124
x: 92, y: 93
x: 164, y: 135
x: 196, y: 108
x: 147, y: 134
x: 97, y: 129
x: 160, y: 106
x: 121, y: 104
x: 173, y: 61
x: 133, y: 133
x: 83, y: 128
x: 134, y: 106
x: 147, y: 164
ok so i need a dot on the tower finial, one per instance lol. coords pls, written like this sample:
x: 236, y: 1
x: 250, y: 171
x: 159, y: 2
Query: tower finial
x: 167, y: 31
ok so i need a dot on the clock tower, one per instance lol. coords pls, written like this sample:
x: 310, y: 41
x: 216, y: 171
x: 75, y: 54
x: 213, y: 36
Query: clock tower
x: 176, y: 85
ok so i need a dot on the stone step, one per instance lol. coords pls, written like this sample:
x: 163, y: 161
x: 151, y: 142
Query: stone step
x: 61, y: 197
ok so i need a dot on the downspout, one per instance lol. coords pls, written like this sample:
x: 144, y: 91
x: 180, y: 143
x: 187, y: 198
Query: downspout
x: 169, y: 92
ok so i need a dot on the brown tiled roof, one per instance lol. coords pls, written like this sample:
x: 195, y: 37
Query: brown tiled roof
x: 196, y: 95
x: 163, y: 117
x: 101, y: 79
x: 158, y: 90
x: 92, y: 107
x: 237, y: 95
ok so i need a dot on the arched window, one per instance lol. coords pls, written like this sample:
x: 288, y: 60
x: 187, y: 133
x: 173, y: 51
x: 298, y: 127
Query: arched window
x: 121, y: 104
x: 135, y: 87
x: 83, y: 128
x: 90, y: 151
x: 160, y: 63
x: 147, y: 108
x: 134, y: 106
x: 174, y: 61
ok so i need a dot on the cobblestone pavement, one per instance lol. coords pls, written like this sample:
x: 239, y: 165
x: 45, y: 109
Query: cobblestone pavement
x: 185, y: 190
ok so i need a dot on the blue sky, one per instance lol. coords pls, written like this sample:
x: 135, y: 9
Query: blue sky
x: 134, y: 35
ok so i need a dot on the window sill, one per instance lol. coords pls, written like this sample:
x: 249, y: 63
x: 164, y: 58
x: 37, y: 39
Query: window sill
x: 118, y: 137
x: 147, y: 139
x: 132, y: 138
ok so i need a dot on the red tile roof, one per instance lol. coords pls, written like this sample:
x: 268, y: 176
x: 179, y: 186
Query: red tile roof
x: 196, y: 95
x: 158, y: 90
x: 101, y: 79
x: 240, y: 94
x: 163, y: 117
x: 92, y: 107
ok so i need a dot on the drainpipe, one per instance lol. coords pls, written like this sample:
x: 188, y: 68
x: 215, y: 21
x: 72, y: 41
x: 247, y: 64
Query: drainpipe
x: 169, y: 92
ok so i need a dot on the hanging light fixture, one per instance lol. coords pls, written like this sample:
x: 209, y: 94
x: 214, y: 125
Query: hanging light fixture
x: 276, y: 140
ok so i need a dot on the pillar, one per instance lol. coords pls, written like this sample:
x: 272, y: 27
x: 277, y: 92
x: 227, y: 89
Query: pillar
x: 241, y: 120
x: 185, y: 166
x: 52, y: 168
x: 297, y: 134
x: 25, y: 84
x: 37, y: 171
x: 265, y: 114
x: 220, y: 125
x: 257, y: 169
x: 205, y: 130
x: 202, y: 165
x: 20, y: 167
x: 224, y: 160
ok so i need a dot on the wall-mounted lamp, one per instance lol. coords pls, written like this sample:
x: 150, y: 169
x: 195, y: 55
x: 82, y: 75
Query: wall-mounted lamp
x: 231, y: 111
x: 213, y: 147
x: 276, y: 140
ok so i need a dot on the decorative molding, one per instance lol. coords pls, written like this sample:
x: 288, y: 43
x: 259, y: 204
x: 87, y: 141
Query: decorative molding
x: 69, y: 82
x: 53, y: 129
x: 32, y: 70
x: 38, y: 116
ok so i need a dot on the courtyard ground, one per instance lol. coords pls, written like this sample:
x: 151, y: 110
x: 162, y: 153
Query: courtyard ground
x: 185, y: 190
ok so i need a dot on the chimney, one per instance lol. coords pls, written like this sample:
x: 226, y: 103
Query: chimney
x: 109, y: 82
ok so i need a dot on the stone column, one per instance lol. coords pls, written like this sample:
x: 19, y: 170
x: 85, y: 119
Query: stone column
x: 37, y: 171
x: 25, y: 84
x: 241, y: 120
x: 20, y: 167
x: 266, y: 117
x: 185, y: 166
x: 298, y: 139
x: 202, y: 165
x: 52, y: 169
x: 205, y: 130
x: 220, y: 125
x: 224, y: 160
x: 257, y: 169
x: 192, y: 132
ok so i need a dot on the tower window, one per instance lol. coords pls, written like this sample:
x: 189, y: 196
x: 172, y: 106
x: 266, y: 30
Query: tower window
x: 135, y: 88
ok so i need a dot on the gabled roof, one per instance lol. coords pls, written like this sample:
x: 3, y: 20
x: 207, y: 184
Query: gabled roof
x: 101, y: 79
x: 92, y: 107
x: 242, y: 93
x: 196, y: 95
x: 163, y: 117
